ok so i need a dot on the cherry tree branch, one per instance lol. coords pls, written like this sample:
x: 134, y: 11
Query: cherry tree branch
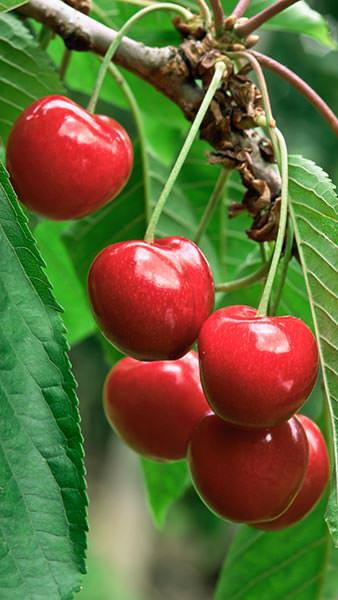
x: 240, y: 9
x: 301, y: 86
x: 164, y: 68
x: 244, y: 29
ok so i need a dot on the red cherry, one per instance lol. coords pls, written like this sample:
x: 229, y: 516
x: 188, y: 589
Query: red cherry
x: 316, y: 478
x: 256, y: 371
x: 245, y: 475
x: 65, y: 162
x: 154, y: 406
x: 150, y: 300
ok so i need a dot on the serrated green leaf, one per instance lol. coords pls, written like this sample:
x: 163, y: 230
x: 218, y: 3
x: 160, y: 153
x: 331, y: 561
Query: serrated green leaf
x: 43, y: 498
x: 26, y: 72
x: 300, y: 18
x: 283, y: 565
x: 165, y: 483
x: 67, y: 288
x: 314, y: 211
x: 6, y: 5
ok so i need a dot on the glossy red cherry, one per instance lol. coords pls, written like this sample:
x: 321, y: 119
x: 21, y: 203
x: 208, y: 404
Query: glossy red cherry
x: 150, y: 300
x: 154, y: 406
x: 246, y: 475
x: 316, y: 478
x: 256, y: 371
x: 65, y: 162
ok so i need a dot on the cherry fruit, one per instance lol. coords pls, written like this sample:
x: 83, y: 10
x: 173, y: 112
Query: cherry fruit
x: 65, y: 162
x: 154, y: 406
x: 316, y: 478
x: 256, y: 371
x: 151, y: 299
x: 247, y: 475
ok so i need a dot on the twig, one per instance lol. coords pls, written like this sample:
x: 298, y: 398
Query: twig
x: 240, y: 9
x: 301, y: 86
x: 237, y: 284
x: 244, y: 29
x: 219, y: 17
x: 212, y: 204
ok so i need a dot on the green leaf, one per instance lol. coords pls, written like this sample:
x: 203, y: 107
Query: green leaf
x: 43, y: 498
x: 314, y: 210
x: 26, y: 72
x: 6, y: 5
x: 299, y: 18
x: 67, y: 288
x: 277, y: 565
x: 165, y: 483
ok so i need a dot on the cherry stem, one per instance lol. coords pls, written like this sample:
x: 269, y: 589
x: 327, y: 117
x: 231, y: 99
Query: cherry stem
x: 117, y: 40
x: 283, y: 166
x: 262, y: 252
x: 64, y: 63
x: 217, y: 77
x: 205, y: 13
x: 270, y: 121
x: 244, y: 29
x: 45, y: 36
x: 284, y: 267
x: 135, y: 110
x: 237, y: 284
x: 240, y: 9
x: 301, y: 85
x: 219, y: 17
x: 211, y: 206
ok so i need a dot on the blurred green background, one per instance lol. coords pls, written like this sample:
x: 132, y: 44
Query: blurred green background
x: 129, y: 559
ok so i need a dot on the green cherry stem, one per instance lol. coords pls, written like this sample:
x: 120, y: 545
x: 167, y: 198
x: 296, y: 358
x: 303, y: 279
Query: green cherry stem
x: 217, y: 77
x: 45, y: 37
x: 205, y: 13
x: 67, y: 54
x: 135, y: 110
x: 186, y: 14
x: 237, y: 284
x: 284, y: 267
x: 264, y: 302
x: 211, y: 206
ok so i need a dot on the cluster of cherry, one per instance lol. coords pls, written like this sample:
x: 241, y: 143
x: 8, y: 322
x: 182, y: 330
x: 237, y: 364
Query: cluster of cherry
x: 250, y: 459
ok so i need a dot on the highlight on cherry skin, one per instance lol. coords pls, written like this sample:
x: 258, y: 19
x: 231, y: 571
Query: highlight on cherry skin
x: 65, y: 162
x: 248, y: 475
x: 314, y: 484
x: 151, y: 299
x: 154, y: 406
x: 256, y: 371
